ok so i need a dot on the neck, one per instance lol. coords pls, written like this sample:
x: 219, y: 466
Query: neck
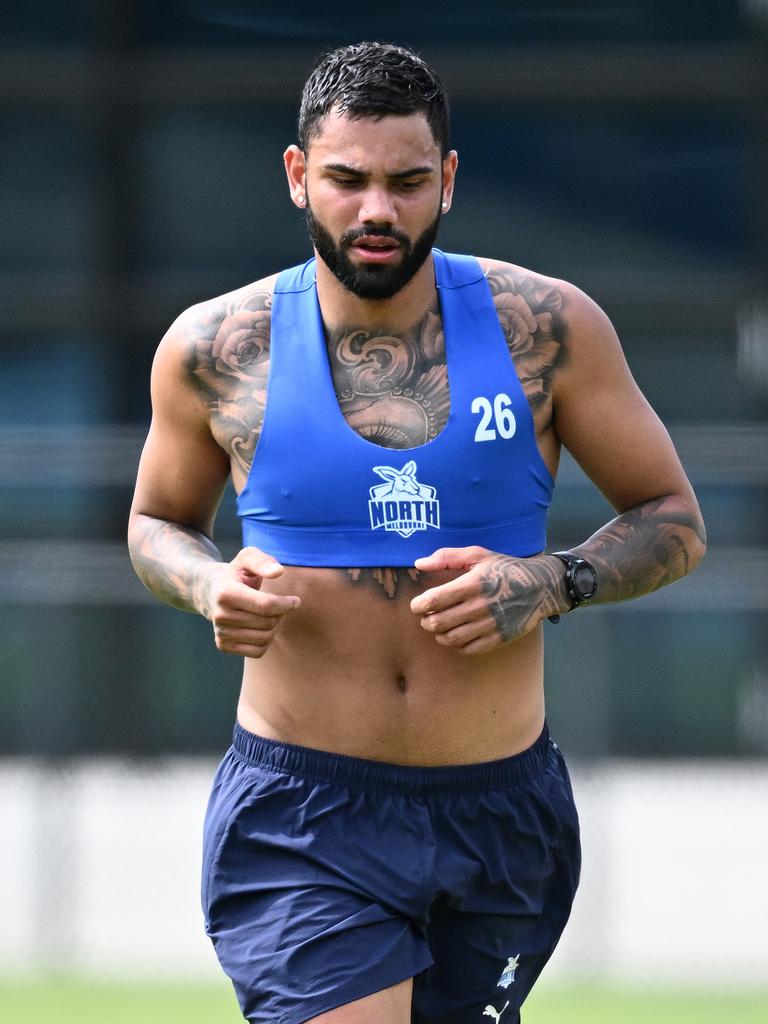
x: 340, y: 307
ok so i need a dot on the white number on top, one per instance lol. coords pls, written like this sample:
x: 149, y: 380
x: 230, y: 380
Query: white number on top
x: 499, y: 413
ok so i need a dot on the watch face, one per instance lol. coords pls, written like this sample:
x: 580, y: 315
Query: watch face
x: 584, y: 581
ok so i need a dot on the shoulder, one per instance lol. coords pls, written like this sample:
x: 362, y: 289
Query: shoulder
x: 218, y: 337
x: 550, y: 301
x: 222, y: 315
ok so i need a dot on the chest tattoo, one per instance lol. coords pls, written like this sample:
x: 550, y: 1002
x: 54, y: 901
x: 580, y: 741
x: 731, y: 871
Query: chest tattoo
x: 393, y: 389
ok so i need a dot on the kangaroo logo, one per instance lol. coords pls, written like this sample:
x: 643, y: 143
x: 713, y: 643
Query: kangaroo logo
x: 508, y: 974
x: 402, y: 505
x: 491, y: 1011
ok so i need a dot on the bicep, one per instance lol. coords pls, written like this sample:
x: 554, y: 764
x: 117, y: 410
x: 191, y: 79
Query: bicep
x: 604, y: 420
x: 183, y: 471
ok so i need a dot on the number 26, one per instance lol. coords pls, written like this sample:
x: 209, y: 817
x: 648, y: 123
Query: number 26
x: 499, y: 412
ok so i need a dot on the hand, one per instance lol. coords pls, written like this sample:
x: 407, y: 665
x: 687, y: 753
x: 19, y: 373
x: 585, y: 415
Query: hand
x: 244, y: 619
x: 497, y: 599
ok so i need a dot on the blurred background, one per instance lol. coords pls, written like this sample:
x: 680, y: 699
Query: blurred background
x: 620, y: 145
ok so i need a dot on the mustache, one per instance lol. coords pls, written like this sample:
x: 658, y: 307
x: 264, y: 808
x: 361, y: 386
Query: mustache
x: 382, y: 231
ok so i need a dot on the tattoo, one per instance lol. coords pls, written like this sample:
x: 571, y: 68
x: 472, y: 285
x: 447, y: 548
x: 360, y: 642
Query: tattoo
x: 388, y: 578
x: 229, y: 365
x: 510, y: 586
x: 167, y: 560
x: 644, y: 549
x: 530, y: 314
x: 392, y: 389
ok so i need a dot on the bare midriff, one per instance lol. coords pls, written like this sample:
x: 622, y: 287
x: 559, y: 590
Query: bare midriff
x: 353, y: 672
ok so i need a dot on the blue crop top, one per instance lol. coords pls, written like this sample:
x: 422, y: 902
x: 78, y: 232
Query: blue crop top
x: 319, y: 494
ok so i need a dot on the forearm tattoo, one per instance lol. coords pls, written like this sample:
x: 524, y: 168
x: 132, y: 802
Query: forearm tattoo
x: 638, y: 552
x: 644, y: 549
x: 170, y: 560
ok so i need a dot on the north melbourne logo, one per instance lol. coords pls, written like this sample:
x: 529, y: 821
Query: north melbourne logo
x: 401, y: 504
x: 508, y: 974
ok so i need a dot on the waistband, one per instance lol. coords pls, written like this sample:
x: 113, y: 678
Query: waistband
x: 366, y: 774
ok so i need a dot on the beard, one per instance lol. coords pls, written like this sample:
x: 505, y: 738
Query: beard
x: 374, y: 281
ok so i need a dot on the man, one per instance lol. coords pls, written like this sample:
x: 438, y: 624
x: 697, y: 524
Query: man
x: 392, y: 835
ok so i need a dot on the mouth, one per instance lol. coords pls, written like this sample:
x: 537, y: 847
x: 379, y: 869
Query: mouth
x: 375, y: 249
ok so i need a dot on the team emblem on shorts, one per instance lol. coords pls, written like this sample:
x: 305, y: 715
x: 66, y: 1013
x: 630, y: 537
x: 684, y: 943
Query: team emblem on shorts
x: 402, y: 505
x: 508, y: 974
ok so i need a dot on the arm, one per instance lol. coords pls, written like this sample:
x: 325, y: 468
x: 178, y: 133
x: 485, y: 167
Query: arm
x: 657, y: 537
x: 181, y: 478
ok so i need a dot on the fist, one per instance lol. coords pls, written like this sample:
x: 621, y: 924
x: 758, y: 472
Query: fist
x: 244, y: 619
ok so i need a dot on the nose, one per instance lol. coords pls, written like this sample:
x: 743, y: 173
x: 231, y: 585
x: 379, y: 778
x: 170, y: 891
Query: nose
x: 377, y: 207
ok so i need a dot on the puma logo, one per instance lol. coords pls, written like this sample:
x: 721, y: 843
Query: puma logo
x: 491, y: 1011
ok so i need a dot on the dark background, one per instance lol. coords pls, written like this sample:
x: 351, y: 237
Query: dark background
x: 622, y: 146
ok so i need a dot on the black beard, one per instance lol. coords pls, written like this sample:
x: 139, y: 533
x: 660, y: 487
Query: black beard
x: 377, y: 281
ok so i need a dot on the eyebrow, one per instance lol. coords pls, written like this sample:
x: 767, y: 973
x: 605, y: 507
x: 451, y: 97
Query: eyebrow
x: 412, y: 172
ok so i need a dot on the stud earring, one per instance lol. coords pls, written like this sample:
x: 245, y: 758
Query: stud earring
x: 445, y: 206
x: 300, y: 199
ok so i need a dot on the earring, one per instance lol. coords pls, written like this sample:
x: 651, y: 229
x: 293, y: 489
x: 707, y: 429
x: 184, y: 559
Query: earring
x: 300, y: 199
x: 445, y: 206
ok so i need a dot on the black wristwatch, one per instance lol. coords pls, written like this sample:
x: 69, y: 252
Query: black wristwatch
x: 580, y: 580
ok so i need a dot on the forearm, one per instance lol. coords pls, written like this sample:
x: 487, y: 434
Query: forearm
x: 646, y: 548
x: 173, y: 562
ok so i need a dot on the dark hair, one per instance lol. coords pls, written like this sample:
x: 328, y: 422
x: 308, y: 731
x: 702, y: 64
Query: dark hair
x: 373, y: 80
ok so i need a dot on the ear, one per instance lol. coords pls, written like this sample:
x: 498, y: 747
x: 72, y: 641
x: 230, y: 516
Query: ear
x: 450, y: 165
x: 296, y: 168
x: 409, y: 469
x: 385, y: 473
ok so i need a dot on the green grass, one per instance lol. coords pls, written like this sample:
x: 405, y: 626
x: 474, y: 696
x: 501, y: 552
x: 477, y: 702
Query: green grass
x: 82, y: 1002
x: 618, y: 1006
x: 47, y: 1002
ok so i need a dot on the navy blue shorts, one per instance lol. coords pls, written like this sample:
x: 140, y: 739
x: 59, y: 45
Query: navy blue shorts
x: 327, y: 878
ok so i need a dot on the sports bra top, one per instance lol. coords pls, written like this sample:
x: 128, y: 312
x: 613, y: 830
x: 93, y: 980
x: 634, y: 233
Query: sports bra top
x: 320, y: 494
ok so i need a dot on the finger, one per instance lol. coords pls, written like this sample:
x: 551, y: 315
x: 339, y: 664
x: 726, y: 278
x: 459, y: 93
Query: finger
x: 451, y: 558
x: 242, y: 598
x: 447, y: 595
x: 483, y: 645
x: 236, y: 619
x: 253, y: 637
x: 246, y: 643
x: 466, y: 633
x: 244, y: 650
x: 467, y: 611
x: 254, y: 562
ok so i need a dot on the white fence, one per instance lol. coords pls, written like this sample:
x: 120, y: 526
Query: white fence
x: 99, y: 862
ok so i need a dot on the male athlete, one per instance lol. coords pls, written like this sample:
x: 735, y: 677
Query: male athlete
x: 392, y: 836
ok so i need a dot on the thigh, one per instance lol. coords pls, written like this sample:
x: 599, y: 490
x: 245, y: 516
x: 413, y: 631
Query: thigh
x: 302, y: 914
x: 491, y: 934
x: 485, y: 966
x: 389, y: 1006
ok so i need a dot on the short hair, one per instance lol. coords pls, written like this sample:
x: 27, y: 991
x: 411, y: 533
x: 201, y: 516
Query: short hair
x: 373, y: 80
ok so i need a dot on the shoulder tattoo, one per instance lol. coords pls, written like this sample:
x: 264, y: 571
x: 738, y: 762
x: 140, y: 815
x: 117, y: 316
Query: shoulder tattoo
x: 228, y: 364
x: 530, y: 312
